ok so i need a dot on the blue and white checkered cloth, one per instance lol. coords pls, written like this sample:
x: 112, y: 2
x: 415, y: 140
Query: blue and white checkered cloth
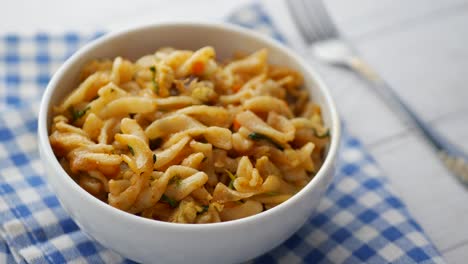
x: 359, y: 220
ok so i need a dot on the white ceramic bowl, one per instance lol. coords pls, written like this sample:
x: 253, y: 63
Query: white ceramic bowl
x: 150, y: 241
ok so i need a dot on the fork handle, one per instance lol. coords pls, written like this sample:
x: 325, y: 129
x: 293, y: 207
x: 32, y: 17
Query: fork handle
x: 387, y: 93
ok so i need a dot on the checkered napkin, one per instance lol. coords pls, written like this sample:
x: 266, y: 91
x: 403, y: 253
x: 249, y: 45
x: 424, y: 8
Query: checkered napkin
x: 359, y: 220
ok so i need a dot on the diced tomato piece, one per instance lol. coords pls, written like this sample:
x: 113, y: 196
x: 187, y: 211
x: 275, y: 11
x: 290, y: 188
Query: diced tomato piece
x: 236, y: 87
x: 198, y: 68
x: 236, y: 125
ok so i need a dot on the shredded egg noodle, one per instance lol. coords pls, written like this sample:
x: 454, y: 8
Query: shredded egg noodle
x: 178, y: 136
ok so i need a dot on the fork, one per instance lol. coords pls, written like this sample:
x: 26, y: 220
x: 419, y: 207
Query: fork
x: 326, y: 43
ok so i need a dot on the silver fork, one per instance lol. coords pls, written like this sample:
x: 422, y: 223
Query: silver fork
x: 319, y: 31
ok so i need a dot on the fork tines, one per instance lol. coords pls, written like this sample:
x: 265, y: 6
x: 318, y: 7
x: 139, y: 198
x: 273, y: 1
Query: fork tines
x: 312, y: 19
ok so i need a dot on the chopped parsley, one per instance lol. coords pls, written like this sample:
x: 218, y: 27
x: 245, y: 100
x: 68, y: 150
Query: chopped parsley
x: 232, y: 177
x: 155, y: 84
x: 176, y: 179
x: 323, y: 135
x: 204, y: 209
x: 257, y: 137
x: 173, y: 203
x: 77, y: 114
x: 131, y: 150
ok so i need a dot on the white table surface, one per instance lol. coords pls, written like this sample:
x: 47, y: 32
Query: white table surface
x: 420, y: 47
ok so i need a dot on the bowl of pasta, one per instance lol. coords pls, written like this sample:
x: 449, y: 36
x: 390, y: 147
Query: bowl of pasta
x: 188, y: 142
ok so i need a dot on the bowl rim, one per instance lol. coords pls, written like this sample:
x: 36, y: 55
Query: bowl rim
x: 44, y: 143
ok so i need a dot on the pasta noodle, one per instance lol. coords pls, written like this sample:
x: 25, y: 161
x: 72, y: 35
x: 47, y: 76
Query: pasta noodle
x: 178, y: 136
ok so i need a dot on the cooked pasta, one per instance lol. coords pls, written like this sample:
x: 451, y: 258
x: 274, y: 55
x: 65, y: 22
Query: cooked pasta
x: 178, y: 136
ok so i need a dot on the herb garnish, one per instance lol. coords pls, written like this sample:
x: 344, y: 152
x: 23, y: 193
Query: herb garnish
x: 204, y: 209
x: 78, y: 114
x: 232, y: 177
x: 176, y: 179
x: 257, y: 136
x: 324, y: 135
x: 155, y: 84
x: 173, y: 203
x: 131, y: 150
